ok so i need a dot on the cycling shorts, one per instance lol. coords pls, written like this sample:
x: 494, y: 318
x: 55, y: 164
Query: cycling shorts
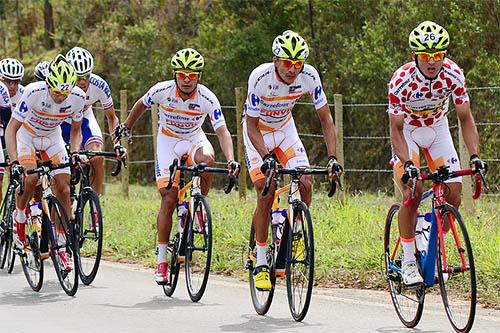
x: 284, y: 142
x: 436, y: 144
x: 170, y: 148
x: 91, y: 132
x: 51, y: 147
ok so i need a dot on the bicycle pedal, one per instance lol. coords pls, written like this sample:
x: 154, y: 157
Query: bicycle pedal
x: 279, y: 273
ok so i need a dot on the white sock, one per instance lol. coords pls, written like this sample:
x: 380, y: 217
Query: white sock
x: 408, y: 251
x: 261, y: 255
x: 61, y: 238
x: 20, y: 215
x: 162, y: 253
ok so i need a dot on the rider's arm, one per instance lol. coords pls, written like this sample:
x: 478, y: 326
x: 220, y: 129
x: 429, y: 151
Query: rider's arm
x: 469, y: 130
x: 225, y: 141
x: 137, y: 111
x: 113, y: 121
x: 328, y: 128
x: 398, y: 141
x: 10, y: 137
x: 75, y: 138
x: 255, y: 135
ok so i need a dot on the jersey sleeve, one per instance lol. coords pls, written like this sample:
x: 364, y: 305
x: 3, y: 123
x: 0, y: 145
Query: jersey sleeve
x: 79, y: 106
x: 395, y: 106
x: 252, y: 104
x: 105, y: 96
x: 459, y: 94
x: 215, y: 112
x: 4, y: 97
x: 22, y: 107
x: 315, y: 87
x: 152, y: 96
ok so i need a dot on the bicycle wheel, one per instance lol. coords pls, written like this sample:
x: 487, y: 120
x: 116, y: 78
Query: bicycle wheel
x: 5, y: 232
x: 409, y: 303
x: 261, y: 299
x: 300, y: 262
x: 63, y: 242
x: 198, y: 248
x: 10, y: 256
x: 89, y: 237
x: 30, y: 259
x: 457, y: 277
x: 174, y: 265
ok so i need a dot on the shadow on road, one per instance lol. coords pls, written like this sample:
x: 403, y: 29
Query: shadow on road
x: 257, y: 323
x: 51, y: 292
x: 161, y: 303
x: 393, y: 329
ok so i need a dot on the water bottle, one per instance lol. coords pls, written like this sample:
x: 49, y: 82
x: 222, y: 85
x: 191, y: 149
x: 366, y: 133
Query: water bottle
x: 36, y: 215
x: 182, y: 209
x: 422, y: 231
x: 277, y: 220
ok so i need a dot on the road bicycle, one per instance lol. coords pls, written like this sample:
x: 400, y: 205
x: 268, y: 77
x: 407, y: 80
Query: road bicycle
x: 88, y: 222
x: 192, y: 243
x: 292, y: 246
x: 449, y: 251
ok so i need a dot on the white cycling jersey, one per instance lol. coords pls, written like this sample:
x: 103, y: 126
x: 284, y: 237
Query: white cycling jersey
x: 272, y: 100
x: 183, y: 119
x: 40, y: 115
x: 14, y: 100
x: 5, y: 101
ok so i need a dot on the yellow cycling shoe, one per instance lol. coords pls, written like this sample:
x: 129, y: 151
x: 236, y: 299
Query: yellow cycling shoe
x: 262, y: 278
x: 298, y: 248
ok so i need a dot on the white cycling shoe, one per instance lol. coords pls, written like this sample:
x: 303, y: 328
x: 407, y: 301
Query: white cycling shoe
x: 410, y: 274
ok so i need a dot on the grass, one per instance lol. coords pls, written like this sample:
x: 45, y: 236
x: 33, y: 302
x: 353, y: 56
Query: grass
x: 348, y: 231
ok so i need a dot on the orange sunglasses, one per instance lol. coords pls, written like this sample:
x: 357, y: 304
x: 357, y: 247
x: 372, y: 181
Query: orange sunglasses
x: 426, y: 56
x: 182, y: 75
x: 287, y: 63
x: 60, y: 93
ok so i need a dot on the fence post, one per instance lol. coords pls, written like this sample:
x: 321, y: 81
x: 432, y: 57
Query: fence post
x: 242, y: 179
x: 123, y: 116
x: 102, y: 124
x: 466, y: 181
x: 154, y: 126
x: 339, y: 126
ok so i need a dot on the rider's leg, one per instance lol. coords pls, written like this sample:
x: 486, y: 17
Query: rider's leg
x: 205, y: 154
x: 97, y: 163
x: 453, y: 197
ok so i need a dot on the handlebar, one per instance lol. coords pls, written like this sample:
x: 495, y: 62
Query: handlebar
x: 17, y: 182
x: 442, y: 174
x: 299, y: 171
x: 198, y: 169
x: 119, y: 162
x: 47, y: 167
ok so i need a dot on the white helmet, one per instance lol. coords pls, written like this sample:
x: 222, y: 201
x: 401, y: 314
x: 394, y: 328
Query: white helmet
x: 12, y: 69
x: 81, y: 59
x: 42, y: 70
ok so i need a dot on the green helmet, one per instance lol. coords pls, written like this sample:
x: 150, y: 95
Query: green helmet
x: 62, y: 75
x: 187, y: 59
x: 290, y: 45
x: 429, y: 35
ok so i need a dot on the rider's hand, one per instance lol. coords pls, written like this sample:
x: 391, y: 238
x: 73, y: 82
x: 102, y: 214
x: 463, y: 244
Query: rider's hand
x: 16, y: 170
x: 121, y: 152
x: 334, y: 168
x: 233, y: 167
x: 121, y: 131
x: 269, y: 162
x: 477, y: 164
x: 410, y: 172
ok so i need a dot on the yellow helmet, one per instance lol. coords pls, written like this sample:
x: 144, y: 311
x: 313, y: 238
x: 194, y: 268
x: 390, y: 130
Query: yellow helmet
x: 62, y: 75
x: 187, y: 59
x: 429, y: 36
x: 290, y: 45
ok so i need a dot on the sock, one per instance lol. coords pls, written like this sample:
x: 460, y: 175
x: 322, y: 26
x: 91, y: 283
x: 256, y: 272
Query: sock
x: 61, y: 238
x: 261, y: 253
x: 20, y: 215
x: 408, y: 249
x: 162, y: 253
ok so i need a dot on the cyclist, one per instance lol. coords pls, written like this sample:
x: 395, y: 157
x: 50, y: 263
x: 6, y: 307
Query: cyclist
x: 11, y: 74
x: 96, y: 89
x: 41, y: 70
x: 268, y: 127
x: 419, y: 93
x: 35, y: 126
x: 184, y: 104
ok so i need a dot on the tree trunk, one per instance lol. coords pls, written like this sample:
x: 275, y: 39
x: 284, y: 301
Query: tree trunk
x: 49, y: 25
x: 19, y: 42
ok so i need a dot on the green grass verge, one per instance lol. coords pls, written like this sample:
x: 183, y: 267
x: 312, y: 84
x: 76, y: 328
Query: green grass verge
x: 348, y: 233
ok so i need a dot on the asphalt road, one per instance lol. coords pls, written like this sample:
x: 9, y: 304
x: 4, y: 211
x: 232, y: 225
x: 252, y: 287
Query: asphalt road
x: 124, y: 298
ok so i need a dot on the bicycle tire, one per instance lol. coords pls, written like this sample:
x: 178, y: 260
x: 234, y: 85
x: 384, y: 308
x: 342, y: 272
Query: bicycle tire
x: 174, y: 265
x: 4, y: 232
x: 301, y: 262
x: 31, y: 262
x: 261, y: 300
x: 455, y: 285
x: 408, y: 303
x: 10, y: 253
x: 198, y: 248
x: 89, y: 236
x: 68, y: 279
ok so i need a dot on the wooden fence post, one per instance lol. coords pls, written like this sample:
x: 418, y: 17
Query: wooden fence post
x: 466, y: 181
x: 123, y: 115
x: 242, y: 179
x: 102, y: 123
x: 154, y: 126
x: 339, y: 126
